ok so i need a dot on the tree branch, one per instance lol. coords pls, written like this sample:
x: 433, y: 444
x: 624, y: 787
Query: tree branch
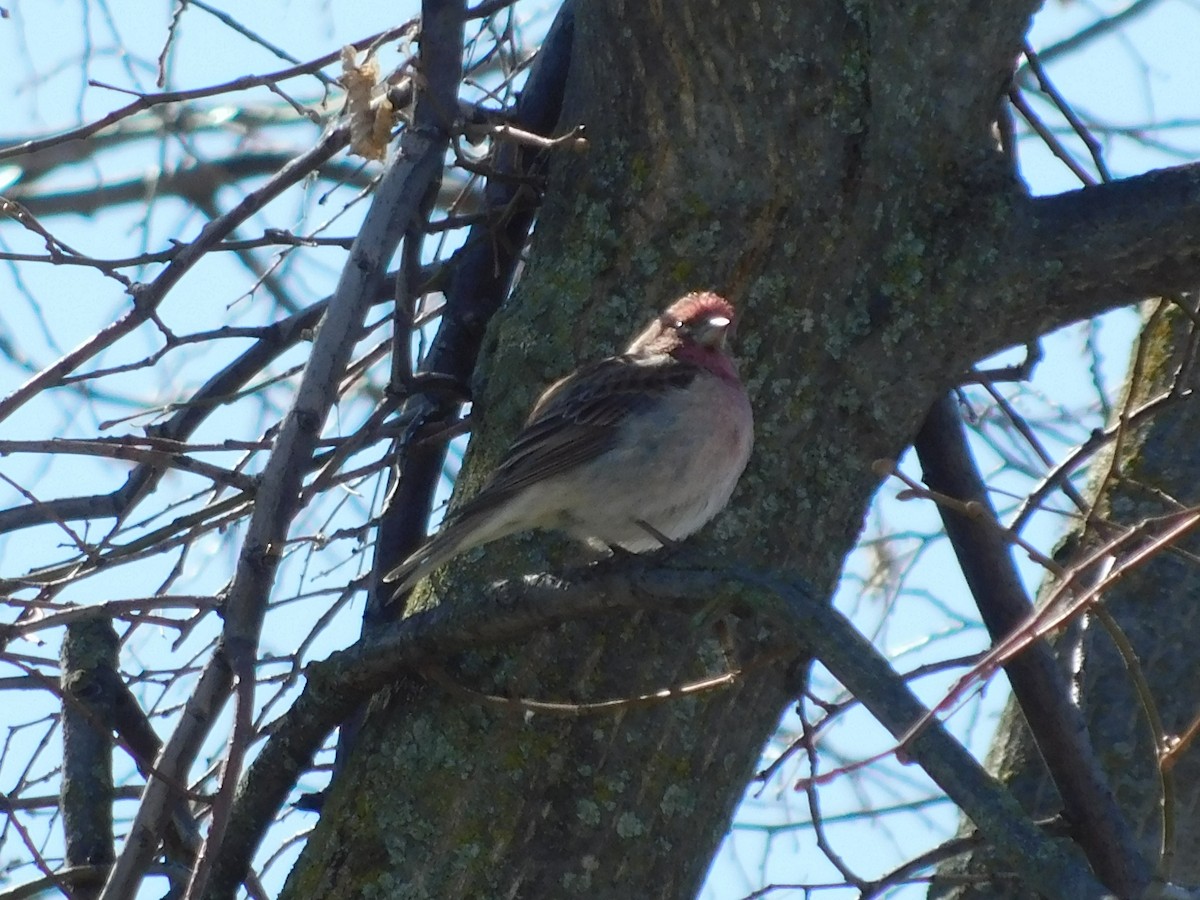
x: 225, y: 385
x: 801, y: 621
x: 147, y: 297
x: 415, y: 167
x: 1111, y: 244
x: 87, y: 781
x: 149, y: 101
x: 1057, y: 724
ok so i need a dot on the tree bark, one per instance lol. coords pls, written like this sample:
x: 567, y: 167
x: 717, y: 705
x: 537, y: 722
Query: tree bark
x: 831, y: 168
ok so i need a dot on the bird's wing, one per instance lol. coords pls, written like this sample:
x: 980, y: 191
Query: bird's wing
x: 578, y: 418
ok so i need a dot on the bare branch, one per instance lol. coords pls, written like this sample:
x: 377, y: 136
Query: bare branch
x: 149, y: 101
x: 1037, y: 681
x: 87, y: 783
x: 415, y: 168
x: 514, y: 610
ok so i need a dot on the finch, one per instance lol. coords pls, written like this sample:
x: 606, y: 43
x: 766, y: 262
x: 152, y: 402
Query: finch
x: 634, y: 451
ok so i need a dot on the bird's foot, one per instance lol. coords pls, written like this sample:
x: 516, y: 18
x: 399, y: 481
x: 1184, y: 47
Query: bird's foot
x: 665, y: 542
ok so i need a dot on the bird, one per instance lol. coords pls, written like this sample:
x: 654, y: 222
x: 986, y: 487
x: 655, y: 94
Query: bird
x: 632, y: 452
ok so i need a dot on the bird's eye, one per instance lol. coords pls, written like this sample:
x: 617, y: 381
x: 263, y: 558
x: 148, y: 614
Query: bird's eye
x: 671, y: 322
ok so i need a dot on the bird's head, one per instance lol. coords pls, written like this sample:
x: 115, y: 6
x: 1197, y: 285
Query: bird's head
x: 700, y: 320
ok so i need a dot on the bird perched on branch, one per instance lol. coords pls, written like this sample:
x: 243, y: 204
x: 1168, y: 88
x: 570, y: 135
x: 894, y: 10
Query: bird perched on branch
x: 634, y: 451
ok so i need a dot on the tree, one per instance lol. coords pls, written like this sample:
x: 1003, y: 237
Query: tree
x: 834, y: 169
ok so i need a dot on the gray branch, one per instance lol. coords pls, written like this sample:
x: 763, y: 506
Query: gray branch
x: 801, y: 622
x: 89, y: 647
x: 1109, y: 245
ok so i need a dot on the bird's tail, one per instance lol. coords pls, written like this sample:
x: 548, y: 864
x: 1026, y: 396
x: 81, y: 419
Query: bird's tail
x: 471, y: 526
x: 439, y: 549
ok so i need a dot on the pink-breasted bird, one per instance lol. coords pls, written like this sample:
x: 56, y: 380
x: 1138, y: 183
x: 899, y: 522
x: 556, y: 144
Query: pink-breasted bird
x: 631, y: 451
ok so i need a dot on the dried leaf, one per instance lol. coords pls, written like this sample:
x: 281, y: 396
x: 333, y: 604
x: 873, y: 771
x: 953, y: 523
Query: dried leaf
x: 367, y: 105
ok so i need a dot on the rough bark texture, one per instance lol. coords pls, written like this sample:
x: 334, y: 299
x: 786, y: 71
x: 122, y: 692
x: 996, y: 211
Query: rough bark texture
x: 830, y: 168
x: 1153, y: 606
x: 89, y: 652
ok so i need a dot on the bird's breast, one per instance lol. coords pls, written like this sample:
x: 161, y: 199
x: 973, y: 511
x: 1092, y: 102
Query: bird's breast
x: 674, y: 465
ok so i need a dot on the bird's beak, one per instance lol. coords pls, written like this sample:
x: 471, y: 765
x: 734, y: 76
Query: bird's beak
x: 712, y: 332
